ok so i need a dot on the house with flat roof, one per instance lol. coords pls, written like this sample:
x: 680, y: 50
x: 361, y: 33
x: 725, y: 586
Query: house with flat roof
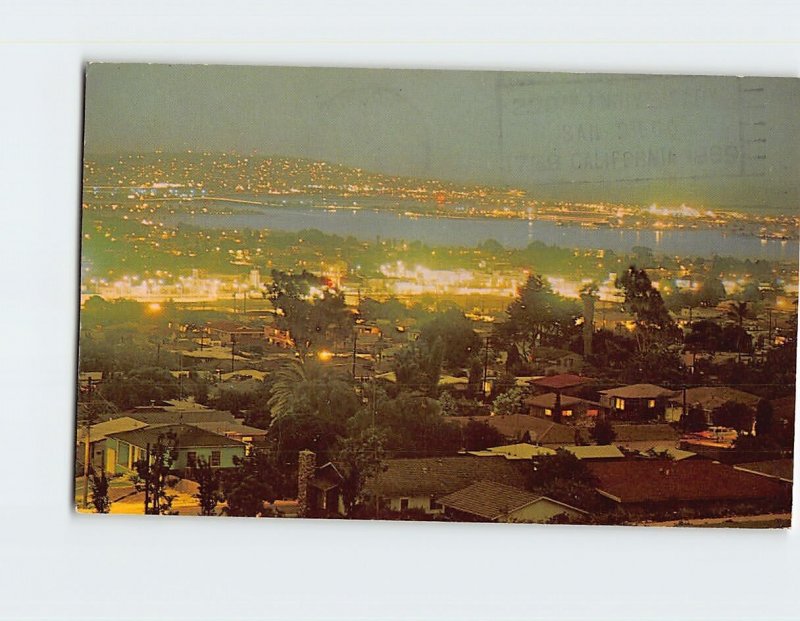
x: 124, y: 449
x: 489, y: 501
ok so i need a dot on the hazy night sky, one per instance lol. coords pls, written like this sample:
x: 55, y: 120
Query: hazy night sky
x: 718, y: 142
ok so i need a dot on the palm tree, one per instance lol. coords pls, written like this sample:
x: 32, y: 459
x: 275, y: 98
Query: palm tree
x: 738, y: 312
x: 288, y: 378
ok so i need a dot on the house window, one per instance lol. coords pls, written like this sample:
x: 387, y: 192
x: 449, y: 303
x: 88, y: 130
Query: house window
x: 435, y: 506
x: 619, y: 404
x: 651, y: 403
x: 191, y: 459
x: 404, y: 504
x: 215, y: 458
x: 548, y: 412
x: 566, y: 413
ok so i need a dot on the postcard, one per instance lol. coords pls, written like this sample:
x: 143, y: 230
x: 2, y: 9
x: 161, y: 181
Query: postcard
x: 455, y: 296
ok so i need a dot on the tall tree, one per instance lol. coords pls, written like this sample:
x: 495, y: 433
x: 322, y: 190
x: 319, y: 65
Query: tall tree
x: 537, y: 316
x: 362, y: 458
x: 738, y: 312
x: 459, y: 340
x: 249, y: 485
x: 152, y: 475
x: 100, y: 500
x: 653, y: 321
x: 208, y: 479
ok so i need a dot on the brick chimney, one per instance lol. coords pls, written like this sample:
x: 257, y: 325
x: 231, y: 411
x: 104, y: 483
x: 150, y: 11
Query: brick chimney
x: 306, y: 467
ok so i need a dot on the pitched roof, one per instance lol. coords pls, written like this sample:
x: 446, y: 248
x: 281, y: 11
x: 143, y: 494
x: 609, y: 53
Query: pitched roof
x: 522, y: 450
x: 161, y: 417
x: 541, y: 431
x: 657, y: 451
x: 187, y: 436
x: 644, y: 432
x: 776, y: 468
x: 488, y: 499
x: 326, y: 477
x: 101, y: 430
x: 644, y: 480
x: 438, y: 476
x: 559, y: 382
x: 710, y: 397
x: 548, y: 400
x: 233, y: 327
x: 230, y: 427
x: 600, y: 451
x: 639, y: 391
x: 492, y: 501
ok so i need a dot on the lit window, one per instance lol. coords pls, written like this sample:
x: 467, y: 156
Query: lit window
x: 619, y: 403
x: 566, y: 413
x: 651, y: 403
x: 548, y: 412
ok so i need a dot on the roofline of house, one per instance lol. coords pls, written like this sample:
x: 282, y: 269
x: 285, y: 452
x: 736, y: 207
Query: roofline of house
x: 763, y: 474
x: 607, y: 495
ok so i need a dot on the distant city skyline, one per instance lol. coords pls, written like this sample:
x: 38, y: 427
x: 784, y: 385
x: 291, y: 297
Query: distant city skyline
x: 703, y: 141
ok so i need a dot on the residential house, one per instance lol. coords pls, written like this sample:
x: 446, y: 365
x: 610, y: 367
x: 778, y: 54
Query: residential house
x: 319, y: 489
x: 489, y: 501
x: 563, y: 383
x: 640, y: 402
x: 780, y: 469
x: 595, y: 452
x: 709, y: 398
x: 418, y: 483
x: 552, y: 361
x: 278, y: 338
x: 552, y: 405
x: 234, y: 429
x: 230, y: 332
x: 644, y: 485
x: 124, y: 449
x: 521, y: 450
x: 168, y: 416
x: 97, y: 438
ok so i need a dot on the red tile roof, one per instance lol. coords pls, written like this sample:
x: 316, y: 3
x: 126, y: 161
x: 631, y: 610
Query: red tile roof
x: 641, y: 481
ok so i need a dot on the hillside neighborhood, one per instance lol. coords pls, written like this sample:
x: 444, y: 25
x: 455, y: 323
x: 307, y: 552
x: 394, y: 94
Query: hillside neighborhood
x: 318, y: 410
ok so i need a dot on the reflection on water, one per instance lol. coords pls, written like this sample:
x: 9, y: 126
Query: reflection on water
x: 368, y: 224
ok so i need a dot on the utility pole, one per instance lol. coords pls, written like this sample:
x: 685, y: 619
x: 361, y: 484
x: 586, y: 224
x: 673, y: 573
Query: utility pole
x: 355, y: 344
x: 87, y: 453
x: 233, y: 350
x: 485, y: 369
x: 147, y: 480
